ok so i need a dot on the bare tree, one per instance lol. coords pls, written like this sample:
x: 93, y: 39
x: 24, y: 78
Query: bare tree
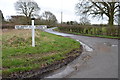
x: 84, y: 21
x: 49, y: 17
x: 99, y: 9
x: 28, y: 8
x: 118, y: 21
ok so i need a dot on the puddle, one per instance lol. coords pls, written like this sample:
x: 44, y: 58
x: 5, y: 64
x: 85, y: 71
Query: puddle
x: 108, y: 44
x: 61, y: 34
x: 57, y: 33
x: 114, y: 45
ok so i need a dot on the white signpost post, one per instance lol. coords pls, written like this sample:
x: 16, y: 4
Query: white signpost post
x: 33, y: 33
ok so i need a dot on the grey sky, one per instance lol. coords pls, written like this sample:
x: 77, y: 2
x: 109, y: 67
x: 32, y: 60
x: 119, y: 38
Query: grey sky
x: 54, y: 6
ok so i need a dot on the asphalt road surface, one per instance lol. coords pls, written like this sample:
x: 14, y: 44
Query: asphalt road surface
x: 100, y: 62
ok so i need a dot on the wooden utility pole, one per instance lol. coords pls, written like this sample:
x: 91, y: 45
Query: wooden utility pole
x: 61, y: 17
x: 119, y: 15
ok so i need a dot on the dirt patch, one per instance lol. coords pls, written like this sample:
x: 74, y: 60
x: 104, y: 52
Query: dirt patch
x: 40, y: 73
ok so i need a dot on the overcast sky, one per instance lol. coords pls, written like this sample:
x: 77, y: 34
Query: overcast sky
x: 54, y: 6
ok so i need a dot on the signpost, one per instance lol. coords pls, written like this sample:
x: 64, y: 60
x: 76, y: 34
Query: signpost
x: 42, y: 27
x: 23, y: 27
x: 33, y: 33
x: 28, y: 27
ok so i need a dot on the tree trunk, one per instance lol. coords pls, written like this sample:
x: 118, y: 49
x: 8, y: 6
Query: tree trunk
x: 111, y: 14
x: 28, y: 20
x: 111, y: 20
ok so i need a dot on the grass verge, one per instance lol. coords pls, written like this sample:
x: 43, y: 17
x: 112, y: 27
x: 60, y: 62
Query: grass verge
x: 19, y: 56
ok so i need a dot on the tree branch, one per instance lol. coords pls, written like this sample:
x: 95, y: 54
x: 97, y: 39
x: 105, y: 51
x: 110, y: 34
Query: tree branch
x: 100, y: 9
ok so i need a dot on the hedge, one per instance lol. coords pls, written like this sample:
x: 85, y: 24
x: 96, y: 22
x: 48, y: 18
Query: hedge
x: 108, y: 31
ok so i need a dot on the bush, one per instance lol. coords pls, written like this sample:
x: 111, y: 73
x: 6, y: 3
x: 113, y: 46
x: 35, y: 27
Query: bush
x: 108, y: 31
x: 8, y: 26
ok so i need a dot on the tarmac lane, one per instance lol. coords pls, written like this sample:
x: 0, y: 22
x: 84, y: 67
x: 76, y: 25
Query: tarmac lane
x: 98, y: 60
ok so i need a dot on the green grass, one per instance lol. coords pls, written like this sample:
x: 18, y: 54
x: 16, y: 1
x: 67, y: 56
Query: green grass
x: 0, y: 52
x: 18, y: 55
x: 103, y: 36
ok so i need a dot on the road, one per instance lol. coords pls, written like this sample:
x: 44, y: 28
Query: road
x: 100, y: 62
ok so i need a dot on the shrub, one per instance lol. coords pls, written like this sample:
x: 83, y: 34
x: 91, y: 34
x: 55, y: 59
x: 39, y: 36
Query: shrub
x: 108, y: 31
